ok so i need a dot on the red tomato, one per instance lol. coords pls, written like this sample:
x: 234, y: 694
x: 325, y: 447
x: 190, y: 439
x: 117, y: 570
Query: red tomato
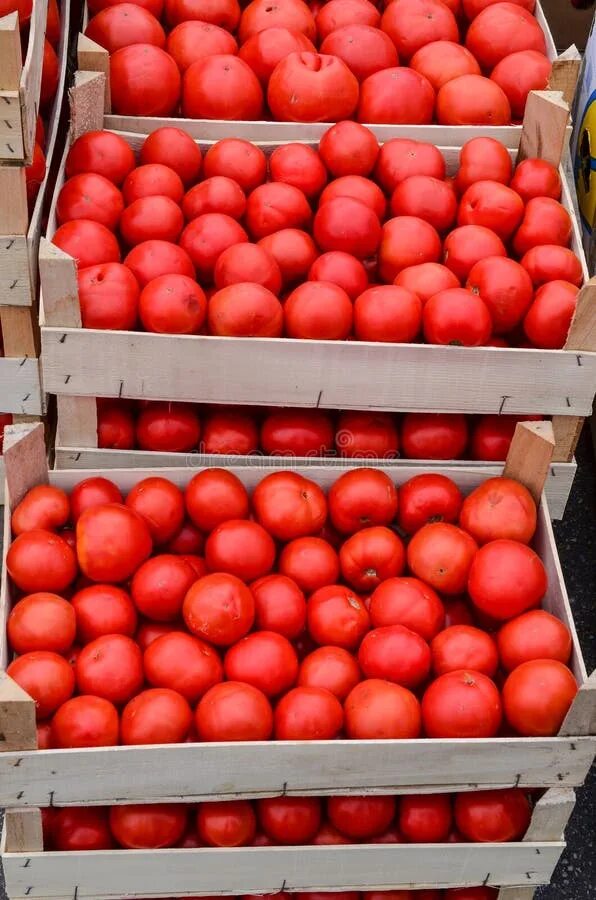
x: 192, y: 40
x: 153, y: 6
x: 430, y: 497
x: 153, y: 258
x: 407, y: 241
x: 467, y: 245
x: 398, y: 96
x: 156, y: 716
x: 276, y: 205
x: 41, y: 621
x: 473, y: 893
x: 240, y: 548
x: 221, y: 86
x: 226, y: 824
x: 85, y: 722
x: 47, y: 677
x: 506, y: 578
x: 92, y: 197
x: 108, y: 297
x: 341, y: 269
x: 311, y: 562
x: 144, y: 81
x: 214, y: 496
x: 396, y: 654
x: 370, y: 556
x: 426, y: 818
x: 50, y: 73
x: 312, y: 87
x: 174, y: 148
x: 464, y: 647
x: 377, y: 710
x: 335, y: 615
x: 168, y: 427
x: 115, y: 427
x: 124, y: 24
x: 230, y: 432
x: 545, y: 221
x: 264, y: 659
x: 400, y: 158
x: 348, y: 148
x: 89, y: 243
x: 461, y: 704
x: 426, y: 279
x: 483, y: 159
x: 357, y: 188
x: 493, y: 205
x: 492, y: 816
x: 387, y: 313
x: 537, y: 696
x: 457, y: 612
x: 215, y: 195
x: 206, y: 237
x: 263, y: 50
x: 290, y: 820
x: 92, y: 492
x: 297, y: 432
x: 111, y: 666
x: 149, y: 632
x: 361, y: 818
x: 519, y: 73
x: 362, y: 48
x: 338, y: 13
x: 536, y: 178
x: 407, y: 602
x: 35, y: 174
x: 103, y: 153
x: 472, y: 100
x: 442, y: 61
x: 245, y: 310
x: 533, y: 635
x: 329, y: 835
x: 417, y: 23
x: 182, y: 663
x: 362, y: 497
x: 232, y: 711
x: 22, y: 7
x: 504, y: 286
x: 148, y: 826
x: 151, y: 218
x: 501, y: 29
x: 243, y: 162
x: 552, y: 263
x: 279, y: 605
x: 99, y: 558
x: 367, y: 434
x: 293, y: 250
x: 456, y: 317
x: 186, y: 541
x: 492, y: 436
x: 499, y: 508
x: 81, y: 828
x: 300, y: 166
x: 289, y: 505
x: 548, y: 319
x: 225, y: 13
x: 441, y: 554
x: 172, y: 304
x: 159, y: 586
x: 330, y: 668
x: 39, y: 560
x: 308, y: 714
x: 103, y: 609
x: 426, y: 198
x: 161, y: 505
x: 318, y: 310
x: 43, y: 506
x: 247, y: 263
x: 261, y: 14
x: 219, y: 608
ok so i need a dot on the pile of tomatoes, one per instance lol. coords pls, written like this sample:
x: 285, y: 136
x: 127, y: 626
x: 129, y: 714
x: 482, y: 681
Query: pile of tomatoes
x: 349, y: 241
x: 209, y: 615
x: 237, y: 431
x: 479, y: 816
x: 457, y: 62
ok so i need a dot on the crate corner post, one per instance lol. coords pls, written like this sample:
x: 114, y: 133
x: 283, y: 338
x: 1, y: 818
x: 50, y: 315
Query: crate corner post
x: 530, y: 454
x: 25, y: 461
x: 544, y: 129
x: 12, y: 145
x: 17, y: 717
x: 59, y: 301
x: 92, y: 57
x: 565, y: 73
x: 581, y: 717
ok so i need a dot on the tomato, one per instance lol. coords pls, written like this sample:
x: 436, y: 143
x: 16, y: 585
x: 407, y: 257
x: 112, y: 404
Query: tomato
x: 472, y: 100
x: 457, y: 612
x: 483, y: 159
x: 319, y: 310
x: 155, y: 7
x: 243, y: 162
x: 81, y: 828
x: 430, y: 497
x: 329, y: 835
x: 362, y: 497
x: 396, y: 654
x: 264, y: 659
x: 35, y: 174
x: 426, y: 818
x: 506, y: 578
x: 148, y: 826
x: 111, y: 667
x: 400, y: 158
x: 221, y: 86
x: 311, y: 562
x: 458, y: 317
x: 103, y: 153
x: 90, y: 196
x: 341, y: 269
x: 467, y: 245
x: 387, y: 313
x: 290, y: 820
x: 150, y: 218
x: 312, y: 87
x: 50, y: 73
x: 471, y: 10
x: 263, y: 50
x: 232, y: 711
x: 397, y: 96
x: 41, y: 621
x: 172, y: 304
x: 89, y: 243
x: 492, y: 816
x: 493, y: 205
x: 461, y: 704
x: 225, y: 13
x: 182, y: 663
x: 499, y: 508
x: 362, y: 48
x: 492, y: 436
x: 186, y: 541
x: 280, y: 606
x: 230, y: 432
x: 348, y: 148
x: 297, y: 432
x: 549, y: 318
x: 92, y: 492
x: 85, y: 722
x: 124, y: 24
x: 206, y: 237
x: 337, y: 13
x: 504, y: 286
x: 115, y: 427
x: 300, y: 166
x: 108, y: 296
x: 536, y: 178
x: 518, y: 74
x: 552, y: 263
x: 545, y: 221
x: 112, y: 542
x: 370, y: 556
x: 226, y: 824
x: 407, y: 241
x: 214, y: 496
x: 156, y: 716
x: 426, y: 198
x: 261, y: 14
x: 47, y: 678
x: 153, y: 258
x: 441, y: 554
x: 43, y: 506
x: 330, y: 668
x: 240, y: 548
x: 161, y: 505
x: 172, y: 148
x: 192, y: 40
x: 215, y: 195
x: 39, y: 560
x: 335, y: 615
x: 289, y: 505
x: 501, y: 29
x: 367, y: 434
x: 308, y: 714
x: 276, y: 205
x: 219, y: 608
x: 407, y: 602
x: 247, y: 263
x: 168, y: 427
x: 416, y: 23
x: 361, y: 818
x: 533, y: 635
x: 377, y: 710
x: 426, y: 279
x: 144, y: 81
x: 443, y: 60
x: 22, y: 7
x: 464, y: 647
x: 537, y: 696
x: 103, y: 609
x: 159, y: 586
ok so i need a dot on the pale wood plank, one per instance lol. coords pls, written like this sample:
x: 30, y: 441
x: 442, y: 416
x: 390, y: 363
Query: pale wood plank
x: 13, y: 200
x: 25, y: 460
x: 544, y: 130
x: 17, y: 719
x: 22, y: 831
x: 530, y: 454
x: 59, y: 303
x: 12, y: 145
x: 76, y: 420
x: 92, y: 57
x: 567, y: 430
x: 31, y: 76
x: 551, y: 815
x: 86, y: 102
x: 516, y: 893
x: 582, y: 333
x: 20, y: 386
x: 16, y: 287
x: 20, y: 331
x: 581, y: 718
x: 565, y: 73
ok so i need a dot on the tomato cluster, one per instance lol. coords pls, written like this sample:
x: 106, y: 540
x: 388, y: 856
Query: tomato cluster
x: 183, y: 428
x: 209, y: 615
x: 457, y: 62
x: 479, y: 816
x: 352, y: 241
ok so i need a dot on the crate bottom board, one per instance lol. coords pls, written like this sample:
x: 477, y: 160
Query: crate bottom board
x: 108, y: 874
x: 557, y: 487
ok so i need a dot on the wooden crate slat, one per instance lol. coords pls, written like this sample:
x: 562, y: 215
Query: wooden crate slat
x: 20, y: 386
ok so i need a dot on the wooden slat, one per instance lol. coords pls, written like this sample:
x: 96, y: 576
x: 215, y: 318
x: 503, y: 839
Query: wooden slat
x: 22, y: 831
x: 20, y: 331
x: 581, y: 718
x: 530, y: 454
x: 17, y: 717
x: 31, y: 75
x: 551, y: 815
x: 20, y: 387
x: 544, y: 130
x: 567, y: 431
x: 86, y: 102
x: 565, y: 73
x: 91, y: 57
x: 12, y: 146
x: 76, y: 420
x: 25, y: 462
x: 59, y: 287
x: 13, y: 201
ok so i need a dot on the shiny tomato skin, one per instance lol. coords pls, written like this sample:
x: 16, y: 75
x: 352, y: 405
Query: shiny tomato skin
x: 311, y: 562
x: 335, y: 615
x: 461, y: 704
x: 159, y: 586
x: 408, y: 602
x: 499, y: 508
x: 362, y: 497
x: 289, y: 820
x: 225, y: 13
x: 429, y: 497
x: 551, y: 263
x: 398, y: 96
x: 492, y: 816
x: 260, y: 15
x: 148, y: 827
x: 298, y: 165
x: 426, y: 279
x: 442, y: 61
x: 289, y: 505
x: 247, y: 262
x: 152, y: 179
x: 337, y: 13
x: 537, y: 696
x: 103, y: 609
x: 370, y: 556
x: 173, y: 147
x: 230, y: 432
x: 471, y: 8
x: 214, y: 496
x: 493, y: 205
x: 241, y: 548
x: 425, y: 818
x: 232, y: 711
x: 245, y: 310
x: 318, y: 310
x: 506, y: 579
x: 183, y: 663
x: 40, y: 560
x: 472, y: 100
x: 219, y: 608
x: 536, y: 178
x: 205, y: 237
x: 103, y: 153
x: 387, y: 313
x: 534, y: 635
x: 497, y: 32
x: 192, y: 40
x: 367, y: 434
x: 441, y: 554
x: 341, y: 269
x: 394, y: 653
x: 361, y: 818
x: 81, y: 828
x: 519, y: 73
x: 457, y: 317
x: 47, y: 678
x: 426, y: 198
x: 144, y: 81
x: 111, y: 666
x: 172, y: 304
x: 92, y: 492
x: 151, y: 218
x: 293, y: 250
x: 124, y: 24
x: 348, y: 148
x: 492, y: 435
x: 464, y: 647
x: 262, y: 51
x: 406, y: 241
x: 357, y: 188
x: 549, y: 318
x: 483, y: 159
x: 265, y: 660
x: 90, y: 243
x: 108, y: 296
x: 545, y: 221
x: 297, y: 432
x: 90, y: 196
x: 329, y: 835
x: 364, y: 49
x: 101, y: 560
x: 279, y: 605
x: 85, y: 721
x: 234, y: 158
x: 161, y: 504
x: 400, y: 158
x: 41, y: 621
x: 153, y: 258
x: 226, y: 824
x: 331, y: 668
x: 43, y: 506
x: 115, y: 427
x: 377, y: 709
x: 308, y: 714
x: 156, y: 716
x: 505, y: 287
x: 417, y: 23
x: 348, y: 225
x: 276, y: 205
x: 467, y: 245
x: 217, y: 194
x: 312, y: 87
x: 170, y: 428
x: 221, y: 87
